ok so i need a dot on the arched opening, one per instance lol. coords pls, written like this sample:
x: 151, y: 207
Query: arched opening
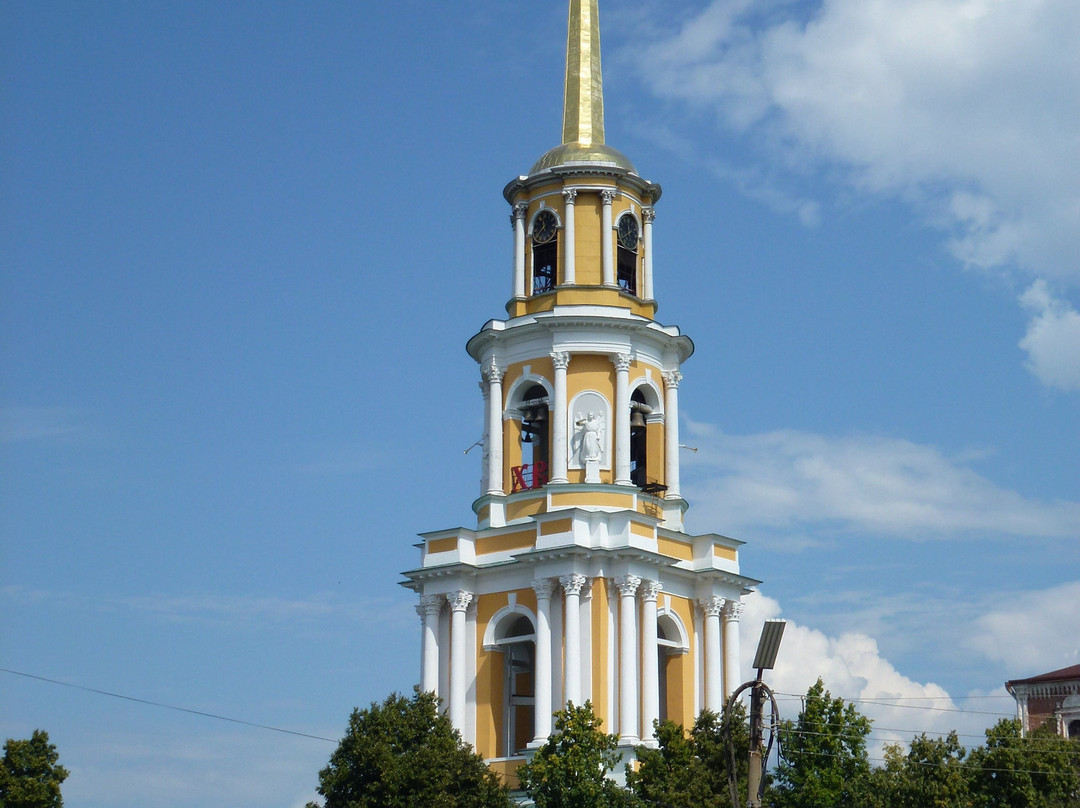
x: 627, y: 262
x: 516, y: 639
x: 545, y: 254
x: 639, y: 441
x: 1074, y: 730
x: 671, y: 656
x: 535, y: 445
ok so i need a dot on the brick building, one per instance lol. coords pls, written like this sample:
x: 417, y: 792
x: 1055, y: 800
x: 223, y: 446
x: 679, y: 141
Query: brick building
x: 1053, y: 696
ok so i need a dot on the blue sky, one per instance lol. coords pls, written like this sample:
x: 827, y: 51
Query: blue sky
x: 243, y: 246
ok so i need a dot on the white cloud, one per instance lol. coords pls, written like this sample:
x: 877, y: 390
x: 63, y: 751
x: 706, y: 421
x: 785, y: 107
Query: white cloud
x: 62, y: 424
x: 793, y: 481
x: 852, y: 668
x: 968, y: 107
x: 1032, y: 632
x: 228, y: 610
x: 1052, y: 341
x: 183, y: 767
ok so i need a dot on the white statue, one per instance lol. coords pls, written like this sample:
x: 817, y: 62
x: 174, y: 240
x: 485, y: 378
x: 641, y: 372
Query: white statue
x: 590, y: 436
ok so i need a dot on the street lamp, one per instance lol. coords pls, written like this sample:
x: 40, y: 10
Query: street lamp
x: 764, y: 660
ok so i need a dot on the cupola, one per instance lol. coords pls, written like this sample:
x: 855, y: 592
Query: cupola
x: 582, y: 216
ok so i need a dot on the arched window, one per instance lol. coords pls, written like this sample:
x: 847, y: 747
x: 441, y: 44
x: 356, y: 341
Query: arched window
x: 516, y: 639
x: 639, y: 444
x: 626, y: 266
x: 534, y: 438
x: 545, y: 231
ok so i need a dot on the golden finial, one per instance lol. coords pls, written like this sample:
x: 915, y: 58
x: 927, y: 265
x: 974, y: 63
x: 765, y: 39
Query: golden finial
x: 583, y: 102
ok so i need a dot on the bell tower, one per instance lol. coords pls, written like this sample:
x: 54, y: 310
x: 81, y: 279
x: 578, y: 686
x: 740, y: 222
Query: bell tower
x: 578, y: 581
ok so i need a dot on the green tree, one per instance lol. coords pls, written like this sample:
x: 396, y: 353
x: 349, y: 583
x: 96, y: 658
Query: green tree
x: 405, y: 753
x: 690, y: 770
x: 931, y: 774
x: 571, y: 769
x: 1039, y: 771
x: 30, y: 776
x: 824, y: 763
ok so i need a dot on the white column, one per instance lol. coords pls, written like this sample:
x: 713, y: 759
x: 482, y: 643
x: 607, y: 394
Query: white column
x: 542, y: 688
x: 494, y: 437
x: 606, y: 237
x: 612, y: 617
x: 586, y: 641
x: 485, y: 462
x: 714, y: 693
x: 622, y: 419
x: 699, y: 661
x: 459, y: 602
x: 671, y: 433
x: 469, y: 730
x: 648, y: 214
x: 572, y: 585
x: 569, y: 245
x: 628, y: 652
x: 559, y: 435
x: 732, y: 613
x: 517, y: 219
x: 430, y: 608
x: 444, y: 661
x: 557, y: 647
x: 650, y: 658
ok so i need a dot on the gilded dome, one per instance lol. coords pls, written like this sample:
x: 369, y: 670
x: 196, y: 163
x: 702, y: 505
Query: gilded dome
x: 573, y: 153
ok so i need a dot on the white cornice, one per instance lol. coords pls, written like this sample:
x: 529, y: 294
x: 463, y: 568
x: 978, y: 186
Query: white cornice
x: 595, y: 327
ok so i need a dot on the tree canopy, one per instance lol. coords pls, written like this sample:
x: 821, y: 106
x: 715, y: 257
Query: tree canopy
x: 1041, y: 770
x: 690, y: 769
x: 404, y: 753
x: 825, y: 762
x: 931, y: 774
x: 30, y: 775
x: 571, y: 769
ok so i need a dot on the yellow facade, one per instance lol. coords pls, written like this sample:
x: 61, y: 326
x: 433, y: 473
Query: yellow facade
x: 584, y: 585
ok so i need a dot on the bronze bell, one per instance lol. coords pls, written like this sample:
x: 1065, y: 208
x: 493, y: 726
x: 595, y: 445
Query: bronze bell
x: 637, y: 418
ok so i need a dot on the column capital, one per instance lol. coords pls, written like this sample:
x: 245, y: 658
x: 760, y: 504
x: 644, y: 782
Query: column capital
x: 733, y: 610
x: 519, y: 212
x: 672, y: 378
x: 492, y: 372
x: 712, y: 605
x: 650, y: 590
x: 431, y: 605
x: 459, y: 601
x: 608, y: 196
x: 622, y: 361
x: 573, y: 583
x: 561, y: 359
x: 648, y: 214
x: 627, y: 584
x: 544, y: 587
x: 569, y: 195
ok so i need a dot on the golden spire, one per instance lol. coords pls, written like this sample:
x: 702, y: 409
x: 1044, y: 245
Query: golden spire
x: 583, y: 102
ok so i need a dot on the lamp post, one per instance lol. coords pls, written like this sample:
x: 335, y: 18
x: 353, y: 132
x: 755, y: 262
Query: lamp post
x: 765, y: 658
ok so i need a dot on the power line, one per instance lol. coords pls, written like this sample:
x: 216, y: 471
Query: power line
x: 168, y: 706
x: 1028, y: 744
x: 798, y: 697
x: 958, y: 764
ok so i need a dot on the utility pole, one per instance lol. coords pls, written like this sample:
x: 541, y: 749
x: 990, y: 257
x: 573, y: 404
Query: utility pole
x: 754, y: 772
x: 764, y: 659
